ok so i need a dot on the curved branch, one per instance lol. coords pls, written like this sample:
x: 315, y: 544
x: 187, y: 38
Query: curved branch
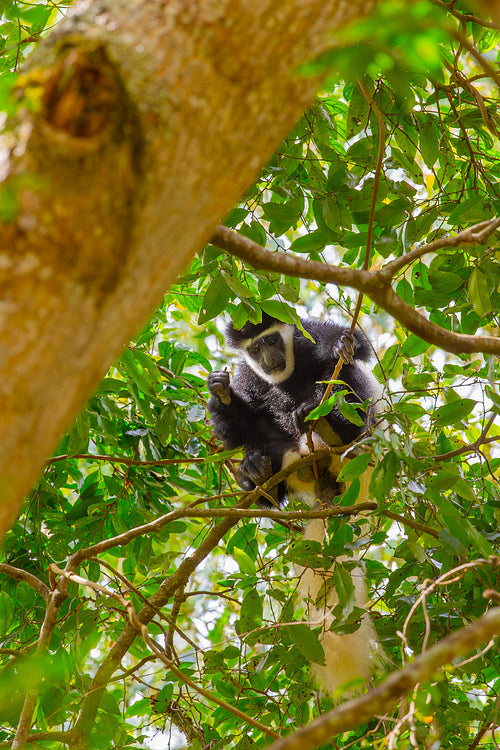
x: 110, y: 664
x: 476, y: 235
x: 372, y: 283
x: 381, y: 700
x: 420, y: 527
x: 127, y: 461
x: 22, y: 575
x: 478, y: 57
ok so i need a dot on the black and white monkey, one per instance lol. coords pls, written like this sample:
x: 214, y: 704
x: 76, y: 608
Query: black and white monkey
x: 279, y: 380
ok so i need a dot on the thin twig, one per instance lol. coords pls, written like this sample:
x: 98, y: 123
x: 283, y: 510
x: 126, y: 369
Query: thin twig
x: 366, y: 262
x: 229, y: 513
x: 478, y: 57
x: 465, y: 17
x: 421, y: 527
x: 26, y: 718
x: 131, y: 461
x: 476, y: 235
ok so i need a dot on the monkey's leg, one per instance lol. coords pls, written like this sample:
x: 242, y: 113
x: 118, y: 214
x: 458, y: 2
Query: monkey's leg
x: 255, y: 469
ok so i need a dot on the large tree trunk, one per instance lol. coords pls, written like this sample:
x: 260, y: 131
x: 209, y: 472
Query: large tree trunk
x: 154, y: 117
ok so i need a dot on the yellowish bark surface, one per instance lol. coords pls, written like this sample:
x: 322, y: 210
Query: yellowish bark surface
x: 153, y: 119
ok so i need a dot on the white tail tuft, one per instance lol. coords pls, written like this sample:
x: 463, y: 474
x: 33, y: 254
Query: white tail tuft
x: 348, y: 657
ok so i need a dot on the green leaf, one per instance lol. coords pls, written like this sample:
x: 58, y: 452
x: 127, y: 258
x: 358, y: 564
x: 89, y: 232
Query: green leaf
x: 351, y: 412
x: 479, y: 293
x: 241, y: 290
x: 142, y: 370
x: 309, y: 243
x: 357, y: 113
x: 413, y: 346
x: 335, y: 213
x: 344, y: 587
x: 235, y: 217
x: 6, y: 612
x: 307, y: 642
x: 384, y: 474
x: 453, y: 412
x: 325, y: 408
x: 214, y: 300
x: 419, y: 381
x: 282, y: 216
x: 444, y: 478
x: 280, y: 310
x: 464, y: 489
x: 251, y: 611
x: 405, y: 290
x: 429, y: 142
x: 245, y: 562
x: 465, y: 532
x: 355, y: 468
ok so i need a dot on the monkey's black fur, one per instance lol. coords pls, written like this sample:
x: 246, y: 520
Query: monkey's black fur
x: 265, y: 413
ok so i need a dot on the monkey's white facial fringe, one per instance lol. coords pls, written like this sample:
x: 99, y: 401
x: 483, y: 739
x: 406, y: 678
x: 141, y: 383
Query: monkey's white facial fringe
x: 286, y: 332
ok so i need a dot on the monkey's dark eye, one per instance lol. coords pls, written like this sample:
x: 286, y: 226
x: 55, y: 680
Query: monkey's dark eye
x: 272, y: 339
x: 254, y: 348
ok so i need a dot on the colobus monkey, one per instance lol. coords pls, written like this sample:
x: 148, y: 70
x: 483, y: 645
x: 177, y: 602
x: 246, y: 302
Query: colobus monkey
x: 280, y: 379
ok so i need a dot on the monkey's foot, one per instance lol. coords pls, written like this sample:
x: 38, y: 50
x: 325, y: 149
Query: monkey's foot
x: 300, y: 414
x: 345, y: 348
x: 255, y: 469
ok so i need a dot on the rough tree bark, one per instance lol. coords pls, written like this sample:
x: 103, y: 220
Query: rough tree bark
x: 153, y: 116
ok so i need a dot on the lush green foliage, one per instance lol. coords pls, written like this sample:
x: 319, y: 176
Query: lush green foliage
x: 227, y: 626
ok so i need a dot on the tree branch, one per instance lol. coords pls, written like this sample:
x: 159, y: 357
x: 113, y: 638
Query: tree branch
x: 380, y: 701
x: 371, y: 283
x: 92, y: 699
x: 129, y: 461
x: 421, y: 527
x: 50, y: 620
x: 143, y: 631
x: 241, y: 510
x: 476, y: 235
x: 22, y: 575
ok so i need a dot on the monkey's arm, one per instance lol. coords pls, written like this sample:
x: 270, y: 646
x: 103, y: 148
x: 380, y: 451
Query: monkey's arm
x: 236, y: 423
x: 229, y: 414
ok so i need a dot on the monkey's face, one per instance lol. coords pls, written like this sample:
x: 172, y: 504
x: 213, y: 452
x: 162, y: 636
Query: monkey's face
x: 269, y: 353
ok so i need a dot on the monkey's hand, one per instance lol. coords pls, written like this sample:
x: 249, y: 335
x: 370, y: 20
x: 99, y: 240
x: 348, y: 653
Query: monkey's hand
x: 345, y: 347
x: 300, y: 414
x: 218, y: 385
x: 255, y: 469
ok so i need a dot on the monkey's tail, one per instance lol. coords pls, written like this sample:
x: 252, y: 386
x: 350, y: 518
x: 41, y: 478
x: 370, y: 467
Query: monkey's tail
x: 348, y: 657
